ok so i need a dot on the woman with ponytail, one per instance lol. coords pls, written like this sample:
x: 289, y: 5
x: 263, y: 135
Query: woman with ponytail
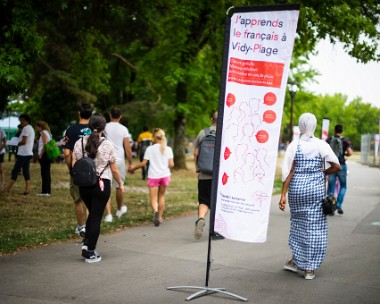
x: 160, y: 158
x: 96, y: 197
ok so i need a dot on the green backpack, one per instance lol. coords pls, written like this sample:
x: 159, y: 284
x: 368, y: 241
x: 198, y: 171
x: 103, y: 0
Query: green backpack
x: 51, y: 149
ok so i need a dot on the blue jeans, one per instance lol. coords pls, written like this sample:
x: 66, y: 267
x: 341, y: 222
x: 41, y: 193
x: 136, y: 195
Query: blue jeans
x: 342, y: 176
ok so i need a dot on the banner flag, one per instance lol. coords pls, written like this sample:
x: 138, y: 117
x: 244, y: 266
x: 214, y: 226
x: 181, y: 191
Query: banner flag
x: 258, y: 49
x: 325, y: 129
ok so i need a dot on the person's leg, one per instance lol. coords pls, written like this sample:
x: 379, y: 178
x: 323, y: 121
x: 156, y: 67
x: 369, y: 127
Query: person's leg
x: 119, y: 198
x: 96, y: 201
x: 45, y: 174
x: 108, y: 218
x: 204, y: 198
x: 26, y: 173
x: 331, y: 184
x: 78, y: 206
x: 342, y: 176
x: 161, y: 202
x: 16, y: 169
x: 153, y: 196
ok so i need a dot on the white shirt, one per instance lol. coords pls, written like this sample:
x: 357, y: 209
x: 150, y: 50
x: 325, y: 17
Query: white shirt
x: 40, y: 141
x: 115, y: 133
x: 311, y: 147
x: 27, y: 149
x: 158, y: 162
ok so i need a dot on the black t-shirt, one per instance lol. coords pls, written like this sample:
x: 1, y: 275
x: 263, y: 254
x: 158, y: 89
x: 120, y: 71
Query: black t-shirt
x: 73, y: 133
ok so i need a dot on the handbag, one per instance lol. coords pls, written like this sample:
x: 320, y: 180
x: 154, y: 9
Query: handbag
x: 329, y: 201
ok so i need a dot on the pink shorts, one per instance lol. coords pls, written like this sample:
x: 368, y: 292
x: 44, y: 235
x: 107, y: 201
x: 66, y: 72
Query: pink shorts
x: 156, y: 182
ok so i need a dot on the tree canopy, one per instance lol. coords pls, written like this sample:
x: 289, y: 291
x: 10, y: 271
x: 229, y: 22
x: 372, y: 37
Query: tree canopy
x: 158, y: 60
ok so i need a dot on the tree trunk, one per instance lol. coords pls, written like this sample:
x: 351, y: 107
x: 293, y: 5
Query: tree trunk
x: 179, y: 130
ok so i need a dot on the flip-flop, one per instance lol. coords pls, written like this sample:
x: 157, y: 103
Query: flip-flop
x: 25, y: 193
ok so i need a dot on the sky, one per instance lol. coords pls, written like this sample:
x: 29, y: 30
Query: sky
x: 342, y: 74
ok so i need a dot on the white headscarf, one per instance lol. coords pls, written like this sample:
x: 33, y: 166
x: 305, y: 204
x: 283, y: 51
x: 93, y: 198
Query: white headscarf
x: 310, y: 145
x: 307, y: 124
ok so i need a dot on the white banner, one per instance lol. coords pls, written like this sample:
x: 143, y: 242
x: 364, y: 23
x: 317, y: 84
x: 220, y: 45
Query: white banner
x: 260, y: 50
x: 325, y: 129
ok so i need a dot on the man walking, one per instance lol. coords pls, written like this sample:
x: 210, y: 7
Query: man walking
x: 119, y: 136
x: 342, y: 148
x: 72, y: 134
x: 204, y: 184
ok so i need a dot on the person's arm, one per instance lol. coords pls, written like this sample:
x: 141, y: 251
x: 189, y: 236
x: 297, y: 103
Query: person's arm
x: 348, y: 152
x: 285, y: 186
x: 334, y: 167
x: 171, y: 163
x: 139, y: 165
x: 23, y: 140
x: 128, y: 151
x: 195, y: 154
x: 68, y: 156
x: 116, y: 175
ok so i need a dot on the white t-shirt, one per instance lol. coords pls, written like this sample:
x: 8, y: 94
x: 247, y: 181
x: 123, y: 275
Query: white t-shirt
x: 158, y: 162
x: 40, y: 141
x: 115, y: 133
x: 2, y: 135
x: 27, y: 149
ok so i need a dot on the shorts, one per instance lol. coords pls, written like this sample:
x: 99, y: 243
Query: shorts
x: 156, y: 182
x: 2, y: 157
x: 122, y: 171
x: 74, y: 191
x: 204, y: 191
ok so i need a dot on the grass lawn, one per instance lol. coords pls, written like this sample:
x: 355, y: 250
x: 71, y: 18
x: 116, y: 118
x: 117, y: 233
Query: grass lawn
x: 29, y: 221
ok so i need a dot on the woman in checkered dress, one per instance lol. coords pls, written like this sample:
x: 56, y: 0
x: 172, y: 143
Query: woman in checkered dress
x: 304, y: 177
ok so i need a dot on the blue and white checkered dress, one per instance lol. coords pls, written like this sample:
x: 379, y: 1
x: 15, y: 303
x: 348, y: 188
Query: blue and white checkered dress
x: 308, y: 224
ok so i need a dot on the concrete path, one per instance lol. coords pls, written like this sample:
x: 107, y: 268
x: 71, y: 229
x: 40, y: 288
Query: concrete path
x: 140, y: 263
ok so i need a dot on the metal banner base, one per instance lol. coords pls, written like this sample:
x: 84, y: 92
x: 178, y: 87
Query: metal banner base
x: 206, y: 291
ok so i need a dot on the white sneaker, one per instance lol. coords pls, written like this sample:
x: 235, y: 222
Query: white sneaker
x: 309, y: 275
x: 81, y: 230
x: 43, y: 194
x: 122, y: 211
x: 108, y: 218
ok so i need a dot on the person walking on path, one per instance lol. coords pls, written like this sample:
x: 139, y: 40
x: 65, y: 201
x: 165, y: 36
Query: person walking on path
x: 160, y: 157
x: 304, y: 177
x: 204, y: 185
x: 119, y: 136
x: 144, y: 140
x: 24, y: 154
x: 71, y: 136
x: 96, y: 197
x: 3, y: 144
x: 45, y: 163
x: 344, y: 151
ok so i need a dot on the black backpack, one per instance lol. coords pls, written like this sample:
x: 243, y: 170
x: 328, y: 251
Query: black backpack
x: 84, y: 171
x: 205, y: 160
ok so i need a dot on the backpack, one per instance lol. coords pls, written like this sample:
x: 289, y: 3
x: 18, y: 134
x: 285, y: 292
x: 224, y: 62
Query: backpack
x: 84, y: 171
x: 205, y: 160
x: 336, y: 145
x: 51, y: 149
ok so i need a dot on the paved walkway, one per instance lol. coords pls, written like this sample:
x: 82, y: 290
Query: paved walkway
x: 140, y: 263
